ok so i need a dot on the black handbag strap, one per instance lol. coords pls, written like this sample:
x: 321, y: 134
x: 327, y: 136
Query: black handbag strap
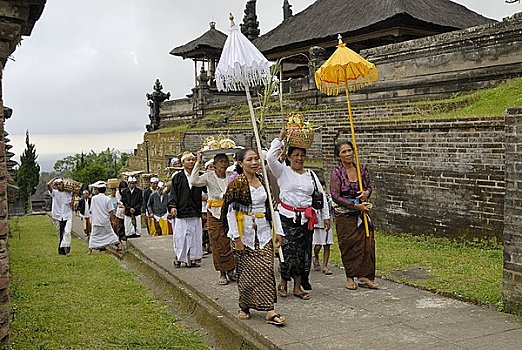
x: 313, y: 179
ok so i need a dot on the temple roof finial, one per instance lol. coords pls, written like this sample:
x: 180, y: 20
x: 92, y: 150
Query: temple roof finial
x: 287, y: 10
x: 250, y: 26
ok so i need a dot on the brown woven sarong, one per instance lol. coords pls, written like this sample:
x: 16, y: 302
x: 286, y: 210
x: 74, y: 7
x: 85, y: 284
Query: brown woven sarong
x: 255, y: 278
x: 357, y: 250
x: 119, y: 228
x: 222, y: 255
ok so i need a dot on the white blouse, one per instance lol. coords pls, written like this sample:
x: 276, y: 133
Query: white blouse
x: 216, y: 187
x: 264, y: 232
x: 294, y: 189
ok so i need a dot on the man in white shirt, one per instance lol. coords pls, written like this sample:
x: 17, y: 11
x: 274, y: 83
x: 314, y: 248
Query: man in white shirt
x: 61, y: 212
x: 102, y: 211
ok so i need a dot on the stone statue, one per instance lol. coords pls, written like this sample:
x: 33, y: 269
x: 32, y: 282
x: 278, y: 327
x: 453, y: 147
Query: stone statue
x: 317, y: 56
x: 154, y: 101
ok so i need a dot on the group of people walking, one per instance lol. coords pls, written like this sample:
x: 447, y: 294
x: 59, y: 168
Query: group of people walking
x: 242, y: 232
x: 110, y: 218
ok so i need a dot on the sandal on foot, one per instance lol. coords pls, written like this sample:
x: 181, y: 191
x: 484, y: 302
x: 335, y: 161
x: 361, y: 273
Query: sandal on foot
x: 276, y: 320
x: 282, y: 291
x: 327, y: 272
x: 231, y: 275
x: 193, y: 264
x: 367, y: 283
x: 351, y: 285
x: 302, y: 295
x: 222, y: 281
x: 242, y: 315
x: 317, y: 265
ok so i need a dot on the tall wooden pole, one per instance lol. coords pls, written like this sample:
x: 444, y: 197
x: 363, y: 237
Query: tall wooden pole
x: 357, y: 163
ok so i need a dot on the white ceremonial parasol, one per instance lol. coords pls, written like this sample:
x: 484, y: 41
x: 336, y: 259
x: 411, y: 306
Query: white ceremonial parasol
x: 242, y: 66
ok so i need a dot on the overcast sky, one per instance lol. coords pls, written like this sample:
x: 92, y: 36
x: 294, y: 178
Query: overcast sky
x: 79, y: 81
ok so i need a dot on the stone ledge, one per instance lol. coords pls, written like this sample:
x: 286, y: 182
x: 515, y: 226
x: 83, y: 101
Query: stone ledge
x: 226, y: 332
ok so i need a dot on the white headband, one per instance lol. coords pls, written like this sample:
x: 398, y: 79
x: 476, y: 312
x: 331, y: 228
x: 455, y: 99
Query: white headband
x: 187, y: 155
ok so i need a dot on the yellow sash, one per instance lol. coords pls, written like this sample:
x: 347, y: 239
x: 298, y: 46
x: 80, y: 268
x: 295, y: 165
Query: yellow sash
x: 239, y: 218
x: 215, y: 203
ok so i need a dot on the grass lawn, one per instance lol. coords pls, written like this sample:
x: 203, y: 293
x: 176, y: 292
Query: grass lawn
x: 81, y: 301
x: 470, y: 272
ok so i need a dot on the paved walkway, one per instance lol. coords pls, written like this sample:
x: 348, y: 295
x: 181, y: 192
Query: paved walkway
x: 393, y: 317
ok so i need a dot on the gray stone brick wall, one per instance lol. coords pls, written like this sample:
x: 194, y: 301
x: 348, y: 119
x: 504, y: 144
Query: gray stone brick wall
x: 512, y: 283
x: 439, y: 177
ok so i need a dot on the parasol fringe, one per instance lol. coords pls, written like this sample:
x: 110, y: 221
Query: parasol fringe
x: 334, y: 88
x: 235, y: 79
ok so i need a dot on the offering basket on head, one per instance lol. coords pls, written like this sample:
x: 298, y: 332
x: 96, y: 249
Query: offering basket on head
x: 218, y: 145
x: 299, y: 133
x: 72, y: 186
x: 113, y: 183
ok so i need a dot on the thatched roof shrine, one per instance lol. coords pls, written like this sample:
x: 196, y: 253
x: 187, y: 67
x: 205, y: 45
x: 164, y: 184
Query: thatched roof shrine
x: 208, y: 45
x: 365, y: 24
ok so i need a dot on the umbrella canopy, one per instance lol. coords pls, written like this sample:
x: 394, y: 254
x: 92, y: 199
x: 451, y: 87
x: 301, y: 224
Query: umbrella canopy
x: 343, y: 66
x: 241, y: 64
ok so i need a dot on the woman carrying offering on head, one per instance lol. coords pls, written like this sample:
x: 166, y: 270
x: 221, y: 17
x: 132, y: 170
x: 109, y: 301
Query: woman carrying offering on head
x: 247, y: 220
x: 296, y: 186
x: 349, y: 204
x: 216, y: 183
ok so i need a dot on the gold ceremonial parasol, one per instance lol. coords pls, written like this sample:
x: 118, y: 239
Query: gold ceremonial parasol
x: 346, y: 67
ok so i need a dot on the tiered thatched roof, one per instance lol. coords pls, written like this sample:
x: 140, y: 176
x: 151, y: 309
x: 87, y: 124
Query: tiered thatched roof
x: 209, y: 45
x: 369, y: 20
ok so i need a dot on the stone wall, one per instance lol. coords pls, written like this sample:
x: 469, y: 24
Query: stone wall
x: 440, y: 177
x: 512, y: 286
x: 17, y: 18
x: 4, y: 231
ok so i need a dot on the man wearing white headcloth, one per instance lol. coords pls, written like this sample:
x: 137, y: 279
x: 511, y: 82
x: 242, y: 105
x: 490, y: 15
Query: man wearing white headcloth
x: 61, y: 211
x: 157, y: 209
x: 102, y: 212
x: 185, y: 206
x: 132, y: 200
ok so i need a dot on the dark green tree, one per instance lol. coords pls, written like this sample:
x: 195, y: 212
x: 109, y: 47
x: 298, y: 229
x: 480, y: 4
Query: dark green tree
x: 89, y: 174
x: 91, y: 167
x: 28, y: 173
